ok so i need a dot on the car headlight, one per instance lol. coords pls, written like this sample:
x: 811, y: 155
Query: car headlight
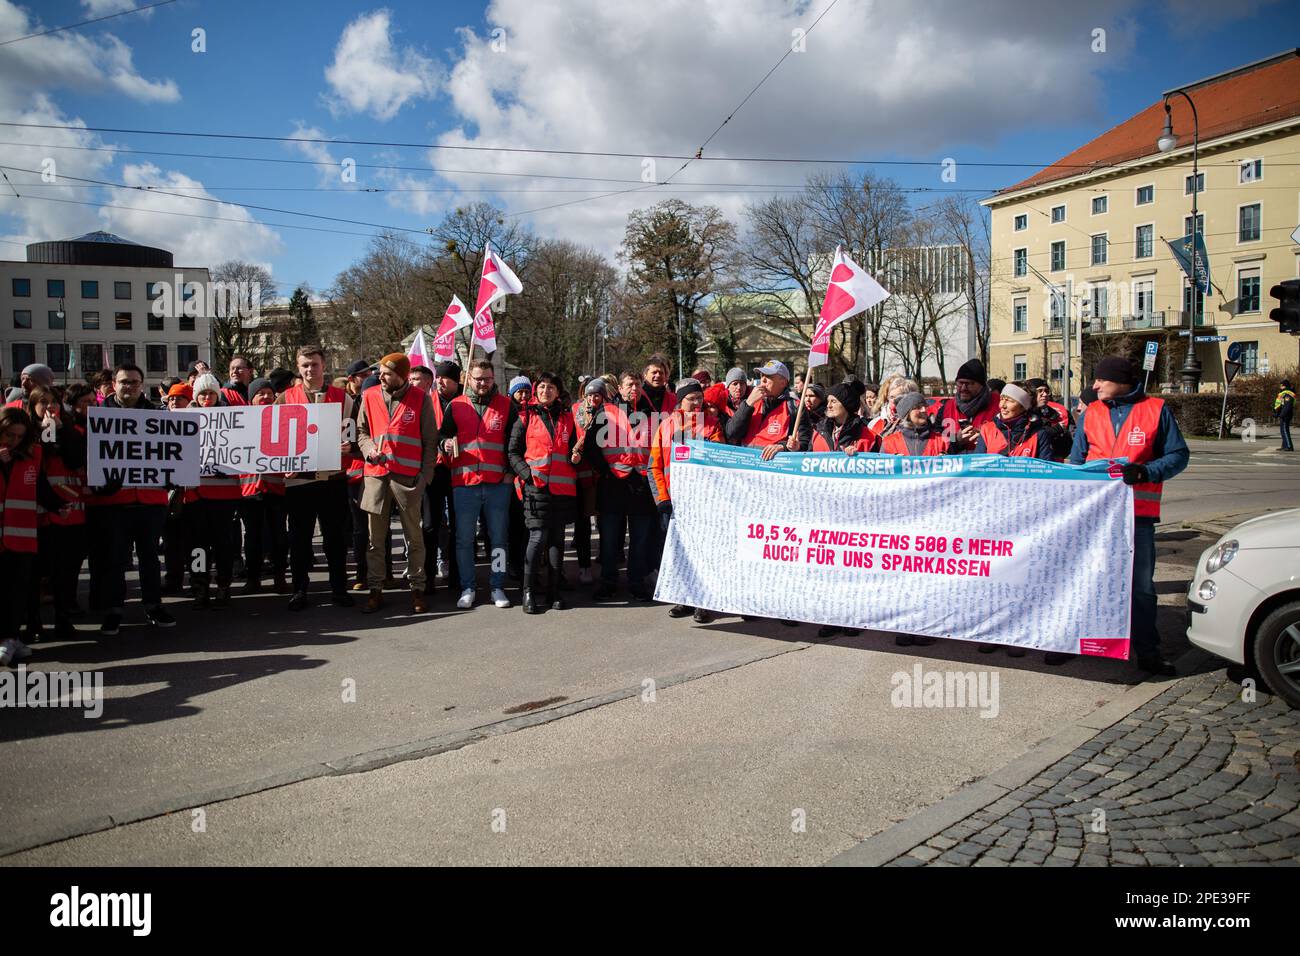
x: 1221, y: 556
x: 1207, y: 590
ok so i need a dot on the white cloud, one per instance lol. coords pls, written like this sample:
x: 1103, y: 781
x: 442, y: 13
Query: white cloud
x: 882, y: 79
x: 70, y: 60
x: 102, y: 8
x: 369, y: 75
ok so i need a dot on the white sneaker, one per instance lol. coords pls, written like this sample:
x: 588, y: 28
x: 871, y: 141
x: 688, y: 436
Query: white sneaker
x: 442, y: 568
x: 499, y: 598
x: 7, y: 651
x: 466, y: 599
x: 585, y: 576
x: 21, y: 650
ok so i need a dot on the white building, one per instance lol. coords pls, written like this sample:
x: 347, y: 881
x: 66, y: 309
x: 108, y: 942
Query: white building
x: 95, y: 300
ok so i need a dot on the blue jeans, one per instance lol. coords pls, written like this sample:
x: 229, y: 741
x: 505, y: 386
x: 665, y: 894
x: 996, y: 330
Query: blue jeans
x: 640, y: 529
x: 1146, y: 639
x: 493, y: 502
x: 1285, y: 424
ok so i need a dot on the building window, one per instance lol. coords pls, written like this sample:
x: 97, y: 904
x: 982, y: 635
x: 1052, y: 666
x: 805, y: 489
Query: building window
x: 1058, y: 213
x: 56, y: 356
x: 1020, y: 260
x: 1200, y: 224
x: 121, y: 290
x: 1199, y: 303
x: 123, y: 355
x: 1249, y: 358
x: 1019, y: 316
x: 1145, y: 195
x: 22, y: 289
x: 1248, y: 291
x: 92, y: 357
x: 154, y: 322
x: 1099, y: 250
x: 122, y: 321
x: 1143, y: 294
x: 89, y: 289
x: 186, y: 323
x: 1021, y: 222
x: 1248, y: 223
x: 155, y: 358
x: 1199, y: 182
x: 1058, y: 363
x: 1142, y: 242
x: 1100, y: 301
x: 1100, y: 205
x: 23, y: 355
x: 1058, y: 255
x: 57, y: 321
x: 90, y: 320
x: 23, y: 320
x: 185, y: 355
x: 1252, y: 171
x: 1020, y: 367
x: 151, y: 291
x: 54, y: 288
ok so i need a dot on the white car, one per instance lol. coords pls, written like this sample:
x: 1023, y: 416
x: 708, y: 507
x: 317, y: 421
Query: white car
x: 1244, y: 601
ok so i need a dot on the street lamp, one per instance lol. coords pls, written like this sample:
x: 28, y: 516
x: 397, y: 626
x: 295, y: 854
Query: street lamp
x: 63, y: 321
x: 1190, y: 373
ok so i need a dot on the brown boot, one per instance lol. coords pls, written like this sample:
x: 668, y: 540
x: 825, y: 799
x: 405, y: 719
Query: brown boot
x: 374, y: 602
x: 417, y: 603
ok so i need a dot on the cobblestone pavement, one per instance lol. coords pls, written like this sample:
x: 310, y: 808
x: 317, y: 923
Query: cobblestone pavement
x: 1197, y: 776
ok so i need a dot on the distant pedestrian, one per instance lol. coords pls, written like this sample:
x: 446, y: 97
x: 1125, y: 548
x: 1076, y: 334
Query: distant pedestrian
x: 1284, y: 409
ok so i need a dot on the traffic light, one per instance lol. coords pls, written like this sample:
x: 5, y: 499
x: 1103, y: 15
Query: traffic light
x: 1287, y: 314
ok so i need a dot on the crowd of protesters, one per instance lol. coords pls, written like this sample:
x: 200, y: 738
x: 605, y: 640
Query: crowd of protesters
x: 463, y: 463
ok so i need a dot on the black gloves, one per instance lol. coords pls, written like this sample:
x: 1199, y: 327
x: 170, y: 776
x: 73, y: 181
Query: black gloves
x: 665, y: 509
x: 1135, y: 474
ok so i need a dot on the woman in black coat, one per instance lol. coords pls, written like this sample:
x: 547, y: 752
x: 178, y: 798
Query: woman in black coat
x: 550, y: 502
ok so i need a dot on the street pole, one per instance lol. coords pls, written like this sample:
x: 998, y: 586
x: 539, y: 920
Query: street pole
x: 1065, y: 341
x: 1190, y: 372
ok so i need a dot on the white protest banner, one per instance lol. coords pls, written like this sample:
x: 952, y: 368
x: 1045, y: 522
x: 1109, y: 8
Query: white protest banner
x: 974, y: 547
x: 269, y: 439
x: 140, y: 448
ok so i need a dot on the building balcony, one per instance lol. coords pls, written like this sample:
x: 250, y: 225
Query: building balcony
x: 1145, y: 322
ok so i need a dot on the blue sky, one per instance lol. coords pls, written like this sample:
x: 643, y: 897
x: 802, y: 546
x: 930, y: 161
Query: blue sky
x: 1008, y: 82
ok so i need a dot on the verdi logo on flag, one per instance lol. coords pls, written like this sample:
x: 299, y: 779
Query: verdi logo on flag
x: 849, y: 292
x: 496, y: 282
x: 453, y: 320
x: 1184, y: 249
x: 419, y: 351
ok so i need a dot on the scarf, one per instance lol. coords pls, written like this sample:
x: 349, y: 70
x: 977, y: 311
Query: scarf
x: 971, y: 408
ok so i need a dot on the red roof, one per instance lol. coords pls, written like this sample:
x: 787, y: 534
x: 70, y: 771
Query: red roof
x: 1251, y: 96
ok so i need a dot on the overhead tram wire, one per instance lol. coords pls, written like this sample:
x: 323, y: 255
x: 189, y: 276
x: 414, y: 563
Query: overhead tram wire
x: 85, y: 23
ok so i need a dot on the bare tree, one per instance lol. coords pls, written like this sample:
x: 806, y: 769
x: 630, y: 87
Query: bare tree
x: 240, y: 291
x: 388, y: 291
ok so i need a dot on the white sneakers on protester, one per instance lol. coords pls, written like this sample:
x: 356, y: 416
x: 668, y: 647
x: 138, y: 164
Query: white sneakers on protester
x: 499, y: 598
x: 466, y: 599
x: 14, y: 650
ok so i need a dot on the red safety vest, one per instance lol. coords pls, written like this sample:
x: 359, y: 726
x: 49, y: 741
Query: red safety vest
x: 547, y: 457
x: 18, y: 506
x: 670, y: 401
x: 397, y: 439
x: 675, y: 431
x: 1135, y: 441
x: 1060, y: 410
x: 482, y: 441
x: 996, y: 443
x: 586, y: 473
x: 772, y: 429
x: 66, y: 482
x: 945, y: 410
x: 626, y: 447
x: 895, y: 444
x: 867, y: 442
x: 250, y: 486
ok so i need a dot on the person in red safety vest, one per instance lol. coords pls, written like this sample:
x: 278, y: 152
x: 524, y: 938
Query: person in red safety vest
x: 235, y: 391
x: 1014, y: 431
x: 261, y: 508
x: 1126, y: 423
x: 210, y: 512
x: 594, y: 394
x: 544, y: 452
x: 766, y: 419
x: 974, y: 404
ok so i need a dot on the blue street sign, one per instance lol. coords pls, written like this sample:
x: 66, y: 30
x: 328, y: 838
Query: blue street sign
x: 1211, y: 338
x: 1234, y: 352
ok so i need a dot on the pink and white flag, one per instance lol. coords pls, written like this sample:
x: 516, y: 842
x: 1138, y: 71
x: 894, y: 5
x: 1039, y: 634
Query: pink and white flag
x: 850, y: 291
x: 418, y: 353
x: 496, y: 282
x: 453, y: 320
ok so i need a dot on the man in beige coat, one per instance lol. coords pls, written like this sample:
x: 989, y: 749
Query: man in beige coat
x: 397, y: 435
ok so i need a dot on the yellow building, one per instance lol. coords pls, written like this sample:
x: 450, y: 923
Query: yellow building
x: 1100, y: 217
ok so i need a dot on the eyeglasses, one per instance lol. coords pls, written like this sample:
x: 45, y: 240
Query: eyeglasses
x: 130, y: 382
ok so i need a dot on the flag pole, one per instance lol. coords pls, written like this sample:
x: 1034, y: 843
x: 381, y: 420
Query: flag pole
x: 798, y: 415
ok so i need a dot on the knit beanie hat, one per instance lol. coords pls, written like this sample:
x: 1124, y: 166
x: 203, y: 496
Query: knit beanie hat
x: 688, y: 386
x: 396, y: 362
x: 973, y: 370
x: 1115, y: 368
x: 518, y: 382
x: 907, y: 402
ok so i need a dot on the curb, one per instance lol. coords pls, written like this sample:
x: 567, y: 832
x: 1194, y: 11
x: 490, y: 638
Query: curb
x: 893, y: 842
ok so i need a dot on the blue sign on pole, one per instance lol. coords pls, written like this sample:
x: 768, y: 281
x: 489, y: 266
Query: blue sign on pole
x: 1234, y: 352
x: 1211, y: 338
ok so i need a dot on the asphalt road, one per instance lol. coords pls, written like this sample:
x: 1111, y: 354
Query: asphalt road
x: 602, y: 734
